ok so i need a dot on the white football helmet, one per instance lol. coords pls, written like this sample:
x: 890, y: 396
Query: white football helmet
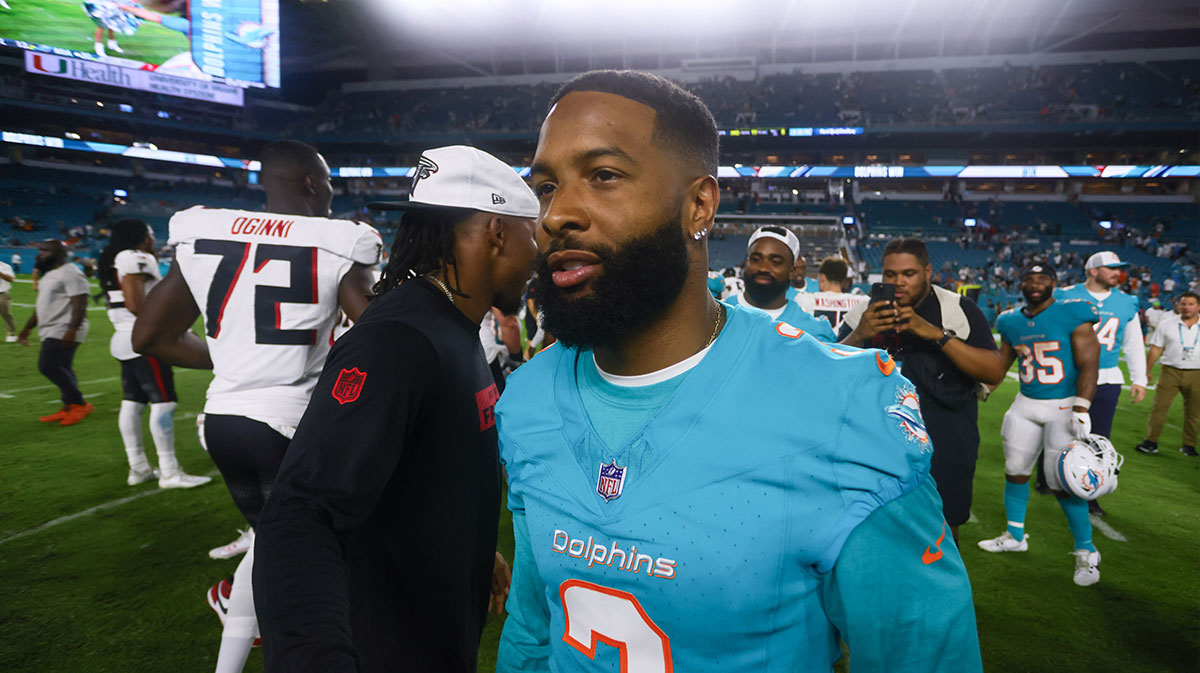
x: 1089, y: 467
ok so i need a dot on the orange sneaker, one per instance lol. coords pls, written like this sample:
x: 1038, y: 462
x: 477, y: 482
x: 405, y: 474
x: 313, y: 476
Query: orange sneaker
x: 55, y: 417
x: 76, y: 412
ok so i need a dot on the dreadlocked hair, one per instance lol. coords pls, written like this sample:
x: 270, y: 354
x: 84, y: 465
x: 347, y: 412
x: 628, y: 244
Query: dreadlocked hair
x: 126, y: 235
x: 424, y: 243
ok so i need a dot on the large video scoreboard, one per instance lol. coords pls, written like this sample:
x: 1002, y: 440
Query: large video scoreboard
x: 206, y: 49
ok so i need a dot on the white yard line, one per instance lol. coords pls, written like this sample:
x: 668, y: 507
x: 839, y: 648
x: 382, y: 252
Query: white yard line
x: 90, y: 395
x: 90, y: 308
x: 89, y: 511
x: 9, y: 394
x: 1106, y: 530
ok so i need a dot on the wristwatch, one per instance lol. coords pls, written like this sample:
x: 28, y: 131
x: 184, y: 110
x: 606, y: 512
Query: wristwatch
x: 947, y: 335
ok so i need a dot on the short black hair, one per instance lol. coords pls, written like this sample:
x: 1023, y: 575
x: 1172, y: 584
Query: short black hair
x: 290, y: 157
x: 681, y: 120
x: 834, y: 268
x: 1188, y: 293
x: 908, y: 246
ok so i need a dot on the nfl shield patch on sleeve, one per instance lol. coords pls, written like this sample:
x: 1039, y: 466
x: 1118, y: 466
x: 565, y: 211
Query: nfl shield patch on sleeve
x: 348, y: 385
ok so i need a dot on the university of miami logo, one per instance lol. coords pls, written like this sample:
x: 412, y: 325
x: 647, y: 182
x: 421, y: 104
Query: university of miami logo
x: 42, y: 63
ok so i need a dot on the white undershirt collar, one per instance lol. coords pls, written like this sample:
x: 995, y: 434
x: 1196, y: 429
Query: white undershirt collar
x: 652, y: 378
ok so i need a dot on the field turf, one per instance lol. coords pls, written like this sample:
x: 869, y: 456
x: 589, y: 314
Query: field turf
x: 63, y: 23
x: 99, y: 576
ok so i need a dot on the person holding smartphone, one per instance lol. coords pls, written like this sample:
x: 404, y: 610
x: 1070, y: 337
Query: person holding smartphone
x: 944, y: 346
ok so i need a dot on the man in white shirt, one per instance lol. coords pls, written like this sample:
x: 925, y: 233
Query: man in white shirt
x: 61, y: 321
x: 6, y: 279
x: 1176, y: 341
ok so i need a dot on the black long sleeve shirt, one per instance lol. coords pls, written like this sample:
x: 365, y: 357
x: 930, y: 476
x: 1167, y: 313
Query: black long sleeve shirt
x: 374, y: 551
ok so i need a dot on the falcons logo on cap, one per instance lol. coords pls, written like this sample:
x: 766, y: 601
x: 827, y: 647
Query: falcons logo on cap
x: 425, y: 168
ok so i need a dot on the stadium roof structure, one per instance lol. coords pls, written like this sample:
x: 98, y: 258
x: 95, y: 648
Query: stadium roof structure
x: 383, y: 39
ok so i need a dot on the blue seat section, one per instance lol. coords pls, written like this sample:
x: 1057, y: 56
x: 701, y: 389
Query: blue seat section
x: 1051, y: 94
x: 885, y: 215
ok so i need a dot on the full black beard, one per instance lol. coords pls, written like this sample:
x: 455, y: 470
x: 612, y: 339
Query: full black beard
x: 761, y: 295
x: 44, y: 265
x: 1029, y: 302
x: 637, y: 283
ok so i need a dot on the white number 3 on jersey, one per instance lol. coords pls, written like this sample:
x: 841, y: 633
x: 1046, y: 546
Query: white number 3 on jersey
x: 599, y: 614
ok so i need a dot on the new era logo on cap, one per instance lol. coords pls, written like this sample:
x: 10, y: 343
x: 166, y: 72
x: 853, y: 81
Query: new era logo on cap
x: 1105, y: 259
x: 464, y: 177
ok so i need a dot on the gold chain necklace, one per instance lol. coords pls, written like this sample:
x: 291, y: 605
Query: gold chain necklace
x: 716, y: 325
x: 445, y: 290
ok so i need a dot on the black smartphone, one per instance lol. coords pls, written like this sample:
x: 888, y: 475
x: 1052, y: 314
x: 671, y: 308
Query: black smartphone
x: 883, y: 292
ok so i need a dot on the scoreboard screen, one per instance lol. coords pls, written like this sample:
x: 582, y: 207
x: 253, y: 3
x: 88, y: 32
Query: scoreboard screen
x: 222, y: 43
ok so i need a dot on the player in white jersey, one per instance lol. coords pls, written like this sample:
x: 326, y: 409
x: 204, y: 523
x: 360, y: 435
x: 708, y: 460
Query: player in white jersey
x: 269, y: 286
x: 128, y: 270
x: 832, y: 302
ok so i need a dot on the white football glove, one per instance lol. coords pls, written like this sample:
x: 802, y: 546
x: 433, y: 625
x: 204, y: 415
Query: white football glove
x: 1081, y: 424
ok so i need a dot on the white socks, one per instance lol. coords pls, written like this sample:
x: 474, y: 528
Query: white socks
x: 130, y: 423
x: 162, y: 429
x: 241, y: 622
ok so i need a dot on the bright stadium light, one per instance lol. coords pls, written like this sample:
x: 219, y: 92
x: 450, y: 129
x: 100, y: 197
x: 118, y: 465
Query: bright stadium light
x: 1105, y: 224
x: 969, y: 222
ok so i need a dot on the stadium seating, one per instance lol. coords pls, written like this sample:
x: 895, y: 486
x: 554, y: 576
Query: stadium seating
x: 1052, y: 94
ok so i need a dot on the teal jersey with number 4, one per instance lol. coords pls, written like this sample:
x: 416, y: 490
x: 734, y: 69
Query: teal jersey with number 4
x: 1117, y: 312
x: 1048, y: 372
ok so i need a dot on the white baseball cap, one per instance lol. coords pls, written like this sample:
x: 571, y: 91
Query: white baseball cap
x: 1106, y: 259
x: 787, y: 238
x: 464, y: 177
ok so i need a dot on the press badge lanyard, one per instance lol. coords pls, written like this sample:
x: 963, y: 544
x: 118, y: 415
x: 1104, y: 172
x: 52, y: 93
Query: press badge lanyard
x: 1188, y: 351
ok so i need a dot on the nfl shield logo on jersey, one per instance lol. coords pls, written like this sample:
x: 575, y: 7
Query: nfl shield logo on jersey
x: 348, y: 385
x: 612, y: 480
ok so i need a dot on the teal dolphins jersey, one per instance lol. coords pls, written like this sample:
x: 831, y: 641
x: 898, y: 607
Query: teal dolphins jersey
x: 796, y: 316
x: 1048, y: 372
x: 701, y: 544
x: 1117, y: 312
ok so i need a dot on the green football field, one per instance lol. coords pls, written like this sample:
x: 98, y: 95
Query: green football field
x: 63, y: 23
x: 98, y: 576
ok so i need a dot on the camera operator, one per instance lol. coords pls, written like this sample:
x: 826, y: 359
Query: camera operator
x: 945, y: 347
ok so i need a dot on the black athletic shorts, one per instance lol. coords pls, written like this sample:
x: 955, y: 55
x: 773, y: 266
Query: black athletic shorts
x: 248, y: 453
x: 148, y: 381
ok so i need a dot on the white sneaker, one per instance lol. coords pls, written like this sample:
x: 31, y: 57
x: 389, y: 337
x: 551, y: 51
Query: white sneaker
x: 239, y: 546
x: 112, y: 46
x: 1005, y: 542
x: 140, y: 477
x: 11, y: 338
x: 182, y: 480
x: 1087, y: 567
x: 100, y: 50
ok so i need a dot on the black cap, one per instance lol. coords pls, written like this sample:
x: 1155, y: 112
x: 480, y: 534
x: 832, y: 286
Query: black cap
x: 1039, y: 266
